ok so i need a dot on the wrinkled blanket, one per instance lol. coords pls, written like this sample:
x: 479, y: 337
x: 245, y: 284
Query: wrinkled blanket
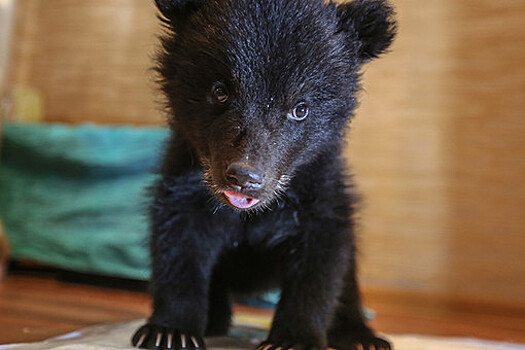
x: 116, y: 336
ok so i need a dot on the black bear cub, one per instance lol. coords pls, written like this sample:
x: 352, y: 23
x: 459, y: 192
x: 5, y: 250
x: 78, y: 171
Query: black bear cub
x: 252, y: 193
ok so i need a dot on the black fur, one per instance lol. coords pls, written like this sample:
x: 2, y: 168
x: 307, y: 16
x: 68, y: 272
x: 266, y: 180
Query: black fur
x: 237, y: 75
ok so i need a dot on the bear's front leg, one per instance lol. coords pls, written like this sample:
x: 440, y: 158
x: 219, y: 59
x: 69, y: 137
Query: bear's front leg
x: 185, y: 245
x: 180, y: 299
x: 312, y: 270
x: 349, y: 330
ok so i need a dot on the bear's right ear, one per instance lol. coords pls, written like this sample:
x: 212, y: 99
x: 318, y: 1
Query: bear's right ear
x: 177, y: 10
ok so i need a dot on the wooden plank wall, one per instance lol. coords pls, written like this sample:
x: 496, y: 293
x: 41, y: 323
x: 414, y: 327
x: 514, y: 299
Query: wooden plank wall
x: 438, y: 145
x: 88, y: 60
x: 438, y: 148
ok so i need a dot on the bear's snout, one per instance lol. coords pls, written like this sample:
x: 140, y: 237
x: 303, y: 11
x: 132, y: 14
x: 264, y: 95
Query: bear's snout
x: 242, y: 176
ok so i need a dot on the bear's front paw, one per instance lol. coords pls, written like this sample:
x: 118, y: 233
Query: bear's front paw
x: 369, y: 342
x: 151, y: 336
x: 372, y: 343
x: 283, y: 345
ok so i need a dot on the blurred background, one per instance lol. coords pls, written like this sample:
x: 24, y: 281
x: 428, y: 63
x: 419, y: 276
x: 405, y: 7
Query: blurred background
x: 438, y: 145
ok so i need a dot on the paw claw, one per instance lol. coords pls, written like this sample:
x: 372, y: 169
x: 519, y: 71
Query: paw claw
x: 169, y: 340
x: 195, y: 342
x: 141, y: 340
x: 140, y: 336
x: 183, y: 341
x: 158, y: 339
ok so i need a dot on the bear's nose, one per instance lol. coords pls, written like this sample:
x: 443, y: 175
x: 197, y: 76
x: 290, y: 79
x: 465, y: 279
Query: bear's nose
x: 244, y: 176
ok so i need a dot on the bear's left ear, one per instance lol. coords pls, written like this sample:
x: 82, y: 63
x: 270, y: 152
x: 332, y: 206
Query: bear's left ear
x: 371, y: 22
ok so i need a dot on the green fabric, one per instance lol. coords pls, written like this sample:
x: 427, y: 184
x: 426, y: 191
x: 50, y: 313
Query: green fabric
x: 75, y: 196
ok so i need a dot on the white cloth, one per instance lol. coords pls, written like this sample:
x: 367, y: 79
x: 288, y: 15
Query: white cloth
x: 117, y: 336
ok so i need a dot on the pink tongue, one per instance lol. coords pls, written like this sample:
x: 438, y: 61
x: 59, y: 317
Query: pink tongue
x: 239, y: 200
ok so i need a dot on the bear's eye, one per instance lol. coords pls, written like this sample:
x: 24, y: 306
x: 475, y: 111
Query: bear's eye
x: 300, y: 112
x: 220, y: 93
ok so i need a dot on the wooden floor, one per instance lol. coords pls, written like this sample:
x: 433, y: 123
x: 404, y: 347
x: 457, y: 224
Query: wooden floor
x: 34, y: 308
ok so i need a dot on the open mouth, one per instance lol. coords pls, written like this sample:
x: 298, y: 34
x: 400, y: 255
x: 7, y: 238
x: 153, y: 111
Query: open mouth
x: 239, y: 200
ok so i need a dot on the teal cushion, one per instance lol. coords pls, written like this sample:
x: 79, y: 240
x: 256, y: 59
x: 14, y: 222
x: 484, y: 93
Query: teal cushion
x: 75, y: 196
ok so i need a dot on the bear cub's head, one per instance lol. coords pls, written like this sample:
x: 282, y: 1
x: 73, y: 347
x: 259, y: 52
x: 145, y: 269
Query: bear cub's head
x: 261, y: 88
